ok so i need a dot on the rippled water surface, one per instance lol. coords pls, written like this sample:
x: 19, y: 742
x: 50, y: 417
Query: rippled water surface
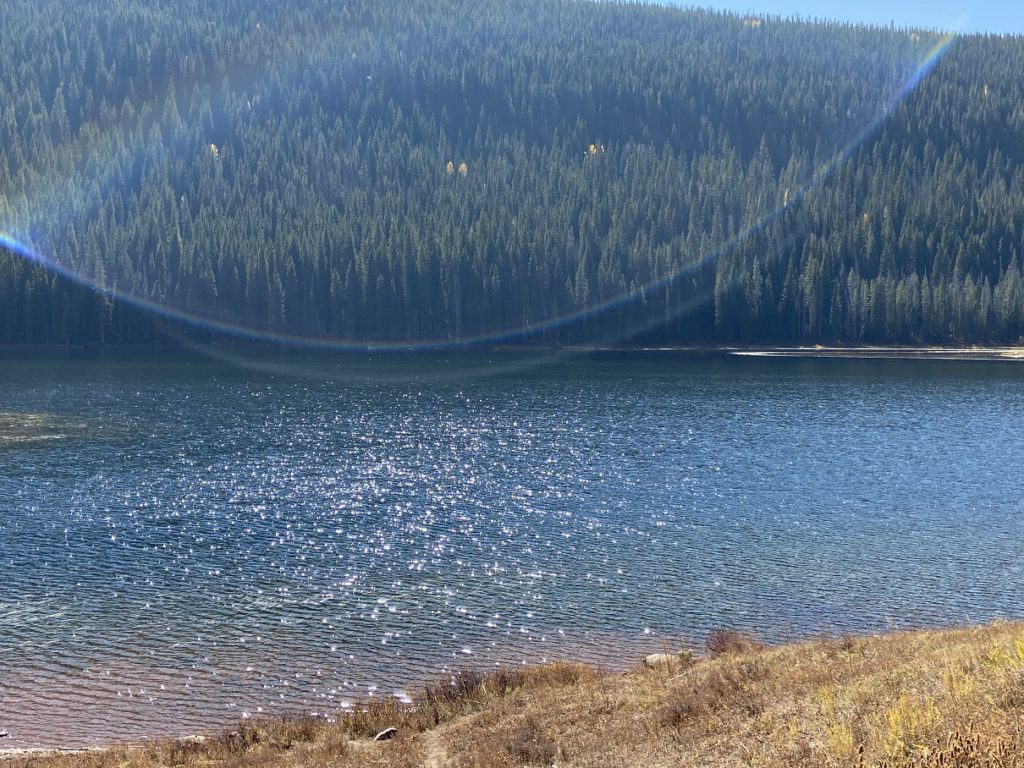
x: 212, y: 540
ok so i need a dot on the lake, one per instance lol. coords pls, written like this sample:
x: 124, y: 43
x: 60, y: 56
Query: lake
x: 190, y: 540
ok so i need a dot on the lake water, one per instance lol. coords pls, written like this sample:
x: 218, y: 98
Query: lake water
x: 192, y: 541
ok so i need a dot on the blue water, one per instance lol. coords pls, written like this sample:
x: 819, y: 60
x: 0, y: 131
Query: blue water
x: 210, y: 539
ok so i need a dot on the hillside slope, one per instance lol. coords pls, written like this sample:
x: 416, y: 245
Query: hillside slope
x: 539, y: 170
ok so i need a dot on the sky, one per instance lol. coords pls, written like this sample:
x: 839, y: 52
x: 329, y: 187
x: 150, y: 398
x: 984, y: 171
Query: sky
x: 997, y: 16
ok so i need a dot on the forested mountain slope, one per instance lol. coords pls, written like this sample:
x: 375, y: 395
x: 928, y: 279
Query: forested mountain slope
x: 549, y: 170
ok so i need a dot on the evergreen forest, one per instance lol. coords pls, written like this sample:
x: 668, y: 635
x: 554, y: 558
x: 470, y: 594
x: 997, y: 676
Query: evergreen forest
x: 514, y: 171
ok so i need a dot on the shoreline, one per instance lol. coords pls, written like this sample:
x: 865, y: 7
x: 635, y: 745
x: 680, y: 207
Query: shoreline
x: 633, y: 663
x: 1009, y: 354
x: 9, y: 753
x: 1002, y: 352
x: 818, y: 351
x: 845, y: 701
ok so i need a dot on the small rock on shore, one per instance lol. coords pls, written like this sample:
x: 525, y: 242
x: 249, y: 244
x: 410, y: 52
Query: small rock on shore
x: 655, y: 660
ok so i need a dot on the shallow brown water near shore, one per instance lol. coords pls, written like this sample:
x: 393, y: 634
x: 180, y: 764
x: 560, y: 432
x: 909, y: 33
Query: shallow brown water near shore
x: 22, y: 429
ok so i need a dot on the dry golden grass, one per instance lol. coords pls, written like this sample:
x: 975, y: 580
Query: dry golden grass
x: 939, y: 699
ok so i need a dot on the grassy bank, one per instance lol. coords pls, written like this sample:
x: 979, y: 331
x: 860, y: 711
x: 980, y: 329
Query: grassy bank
x: 951, y: 698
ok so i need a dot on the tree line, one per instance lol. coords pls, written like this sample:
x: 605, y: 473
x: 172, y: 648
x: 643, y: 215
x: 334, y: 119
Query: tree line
x: 538, y: 170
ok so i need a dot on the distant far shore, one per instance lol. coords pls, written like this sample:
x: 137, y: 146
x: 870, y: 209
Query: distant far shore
x: 877, y: 352
x: 887, y: 353
x: 819, y: 351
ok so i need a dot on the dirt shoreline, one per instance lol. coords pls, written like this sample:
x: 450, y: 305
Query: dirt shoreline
x: 887, y: 353
x: 808, y: 351
x: 12, y: 752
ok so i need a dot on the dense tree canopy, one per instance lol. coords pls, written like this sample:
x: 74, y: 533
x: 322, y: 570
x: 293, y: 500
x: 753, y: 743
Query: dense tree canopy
x: 444, y: 169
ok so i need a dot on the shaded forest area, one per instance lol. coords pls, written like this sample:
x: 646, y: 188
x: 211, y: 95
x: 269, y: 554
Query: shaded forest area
x: 437, y: 170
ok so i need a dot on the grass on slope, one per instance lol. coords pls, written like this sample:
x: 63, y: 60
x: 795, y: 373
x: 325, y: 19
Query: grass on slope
x: 951, y: 698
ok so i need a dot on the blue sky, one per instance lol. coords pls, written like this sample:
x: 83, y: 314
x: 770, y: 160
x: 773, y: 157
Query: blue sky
x: 999, y: 16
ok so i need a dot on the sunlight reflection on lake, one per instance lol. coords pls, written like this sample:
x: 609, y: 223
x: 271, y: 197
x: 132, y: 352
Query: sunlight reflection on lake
x: 226, y: 541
